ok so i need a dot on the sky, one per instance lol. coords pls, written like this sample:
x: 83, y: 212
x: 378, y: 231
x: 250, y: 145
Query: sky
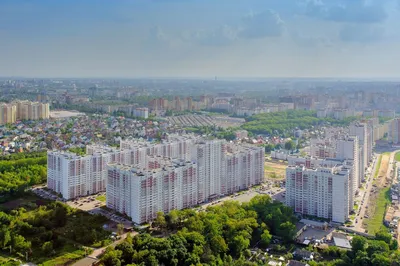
x: 200, y: 38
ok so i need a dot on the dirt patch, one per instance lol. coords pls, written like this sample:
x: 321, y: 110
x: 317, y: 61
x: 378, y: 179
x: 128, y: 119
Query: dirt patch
x: 383, y: 170
x: 274, y: 170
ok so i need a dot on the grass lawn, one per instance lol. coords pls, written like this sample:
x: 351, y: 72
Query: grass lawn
x: 69, y: 255
x: 101, y: 198
x: 378, y: 166
x: 375, y: 222
x: 397, y: 156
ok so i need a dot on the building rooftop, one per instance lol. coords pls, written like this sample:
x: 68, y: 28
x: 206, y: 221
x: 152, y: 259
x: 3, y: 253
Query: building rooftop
x: 342, y: 243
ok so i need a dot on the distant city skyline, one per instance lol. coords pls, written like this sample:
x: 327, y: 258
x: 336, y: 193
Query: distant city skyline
x: 200, y: 39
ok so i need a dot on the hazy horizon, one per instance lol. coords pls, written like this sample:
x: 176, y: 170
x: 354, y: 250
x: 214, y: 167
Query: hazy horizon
x: 200, y: 39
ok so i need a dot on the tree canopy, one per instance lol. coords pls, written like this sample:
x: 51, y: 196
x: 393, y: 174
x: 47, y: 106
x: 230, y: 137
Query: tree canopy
x: 46, y: 230
x: 286, y: 122
x: 218, y: 236
x: 17, y: 172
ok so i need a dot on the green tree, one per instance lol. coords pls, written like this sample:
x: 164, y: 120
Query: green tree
x: 287, y: 231
x: 384, y: 236
x: 19, y: 244
x: 160, y: 221
x: 269, y: 147
x: 361, y: 259
x: 112, y: 257
x: 60, y: 215
x: 218, y: 244
x: 47, y: 247
x: 377, y: 246
x: 120, y: 229
x: 239, y: 245
x: 5, y: 236
x: 289, y: 145
x: 127, y: 252
x: 265, y: 238
x: 379, y: 259
x: 173, y: 219
x: 358, y: 243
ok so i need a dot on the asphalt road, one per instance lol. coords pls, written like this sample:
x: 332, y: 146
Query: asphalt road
x: 365, y: 194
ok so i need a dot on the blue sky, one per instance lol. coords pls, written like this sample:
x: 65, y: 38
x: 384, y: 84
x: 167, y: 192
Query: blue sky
x: 200, y: 38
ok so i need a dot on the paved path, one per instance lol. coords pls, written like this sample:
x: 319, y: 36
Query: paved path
x: 97, y: 252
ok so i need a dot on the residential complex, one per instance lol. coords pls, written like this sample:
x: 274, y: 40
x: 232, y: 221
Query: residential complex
x: 326, y: 183
x: 179, y: 172
x: 23, y: 110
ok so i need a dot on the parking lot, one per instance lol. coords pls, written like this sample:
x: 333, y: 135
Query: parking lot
x: 94, y: 206
x: 86, y: 203
x: 43, y: 193
x: 276, y: 193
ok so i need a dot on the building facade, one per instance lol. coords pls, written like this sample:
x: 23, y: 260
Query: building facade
x: 141, y: 193
x: 323, y: 192
x: 8, y: 113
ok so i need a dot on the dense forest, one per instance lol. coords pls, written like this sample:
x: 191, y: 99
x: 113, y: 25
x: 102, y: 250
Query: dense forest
x: 286, y: 122
x: 43, y: 229
x: 18, y: 171
x: 221, y: 235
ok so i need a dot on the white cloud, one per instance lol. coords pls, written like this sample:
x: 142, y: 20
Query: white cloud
x: 221, y: 36
x: 261, y: 25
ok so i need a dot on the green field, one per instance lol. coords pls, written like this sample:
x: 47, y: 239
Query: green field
x: 101, y: 198
x: 378, y: 166
x: 375, y: 222
x: 397, y: 156
x: 70, y: 255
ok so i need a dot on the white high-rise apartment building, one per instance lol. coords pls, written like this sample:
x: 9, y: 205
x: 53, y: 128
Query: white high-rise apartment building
x: 243, y: 166
x: 27, y: 110
x: 322, y: 192
x: 209, y: 158
x: 75, y: 176
x: 8, y: 113
x: 68, y: 174
x: 348, y: 148
x: 173, y: 147
x: 394, y: 131
x: 363, y: 132
x: 141, y: 193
